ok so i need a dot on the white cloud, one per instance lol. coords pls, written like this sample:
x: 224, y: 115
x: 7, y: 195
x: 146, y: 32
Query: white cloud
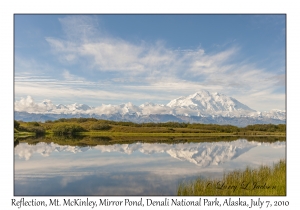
x: 71, y: 77
x: 28, y: 104
x: 82, y: 92
x: 143, y: 71
x: 74, y: 90
x: 113, y: 56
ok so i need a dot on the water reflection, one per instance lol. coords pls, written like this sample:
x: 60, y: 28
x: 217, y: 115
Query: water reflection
x: 131, y: 169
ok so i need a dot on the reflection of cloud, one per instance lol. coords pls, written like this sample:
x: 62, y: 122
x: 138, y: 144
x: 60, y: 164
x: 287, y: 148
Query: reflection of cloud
x: 131, y: 169
x: 127, y: 183
x: 65, y: 180
x: 26, y: 151
x: 201, y: 154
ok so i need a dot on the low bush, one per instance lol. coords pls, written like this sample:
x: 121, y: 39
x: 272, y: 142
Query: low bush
x: 16, y: 124
x: 67, y: 129
x: 100, y: 126
x: 33, y: 124
x: 34, y: 129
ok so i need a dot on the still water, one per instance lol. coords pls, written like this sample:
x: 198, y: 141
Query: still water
x: 132, y: 169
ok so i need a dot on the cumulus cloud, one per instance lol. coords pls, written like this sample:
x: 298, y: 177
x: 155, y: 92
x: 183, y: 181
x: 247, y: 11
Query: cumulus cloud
x: 28, y: 105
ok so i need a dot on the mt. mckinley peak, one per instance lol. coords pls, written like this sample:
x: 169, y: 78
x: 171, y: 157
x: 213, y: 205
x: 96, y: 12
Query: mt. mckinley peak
x: 201, y: 106
x: 211, y: 103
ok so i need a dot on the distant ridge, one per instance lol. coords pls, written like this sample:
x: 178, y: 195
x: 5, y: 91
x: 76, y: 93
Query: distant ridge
x: 201, y: 107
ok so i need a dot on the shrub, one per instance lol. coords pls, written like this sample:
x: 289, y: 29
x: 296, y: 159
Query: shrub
x: 22, y: 128
x: 36, y: 129
x: 67, y: 129
x: 16, y: 124
x: 266, y: 127
x: 33, y: 124
x: 80, y: 120
x: 100, y: 126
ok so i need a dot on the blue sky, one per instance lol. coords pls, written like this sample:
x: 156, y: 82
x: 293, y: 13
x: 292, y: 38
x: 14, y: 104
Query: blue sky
x: 114, y: 59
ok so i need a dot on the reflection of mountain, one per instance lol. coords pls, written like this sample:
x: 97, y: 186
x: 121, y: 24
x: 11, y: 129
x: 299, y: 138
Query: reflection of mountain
x: 201, y: 154
x: 25, y: 151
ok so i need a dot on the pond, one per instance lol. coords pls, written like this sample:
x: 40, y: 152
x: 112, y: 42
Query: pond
x: 132, y: 169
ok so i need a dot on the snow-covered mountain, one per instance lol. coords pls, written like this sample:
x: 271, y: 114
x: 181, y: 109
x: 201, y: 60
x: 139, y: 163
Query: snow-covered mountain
x: 211, y: 103
x: 202, y: 107
x: 205, y: 104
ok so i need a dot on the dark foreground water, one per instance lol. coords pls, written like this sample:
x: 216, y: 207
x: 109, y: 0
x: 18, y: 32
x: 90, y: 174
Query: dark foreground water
x: 131, y: 169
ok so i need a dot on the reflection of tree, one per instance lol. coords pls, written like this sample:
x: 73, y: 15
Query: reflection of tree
x: 80, y: 140
x: 16, y: 142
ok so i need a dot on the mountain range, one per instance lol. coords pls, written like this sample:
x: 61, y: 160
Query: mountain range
x: 200, y: 107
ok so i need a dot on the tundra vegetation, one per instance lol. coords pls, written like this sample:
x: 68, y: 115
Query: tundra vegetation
x: 91, y: 132
x: 265, y: 180
x: 91, y: 126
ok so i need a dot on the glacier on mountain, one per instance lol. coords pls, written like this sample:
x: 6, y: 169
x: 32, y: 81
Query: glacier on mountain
x: 201, y: 106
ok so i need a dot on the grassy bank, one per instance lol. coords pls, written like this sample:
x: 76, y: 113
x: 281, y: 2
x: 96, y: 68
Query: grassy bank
x: 268, y: 181
x: 23, y: 134
x: 91, y: 126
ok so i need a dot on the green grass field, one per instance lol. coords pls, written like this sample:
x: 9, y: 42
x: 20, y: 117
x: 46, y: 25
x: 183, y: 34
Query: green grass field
x: 90, y: 126
x: 264, y: 181
x: 90, y: 132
